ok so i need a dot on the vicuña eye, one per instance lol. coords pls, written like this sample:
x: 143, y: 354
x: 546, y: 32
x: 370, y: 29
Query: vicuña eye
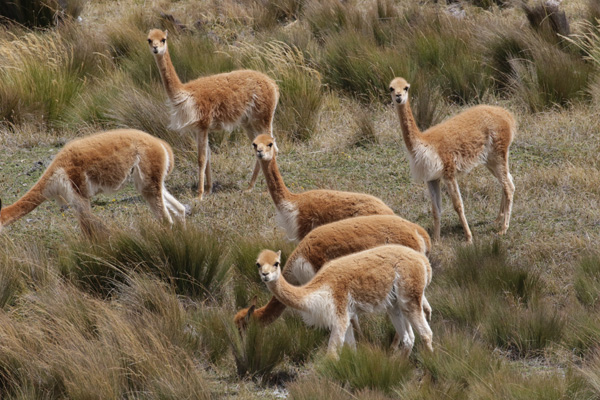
x: 258, y: 265
x: 391, y: 89
x: 163, y: 40
x: 406, y: 88
x: 270, y: 144
x: 149, y: 41
x: 276, y: 264
x: 254, y: 145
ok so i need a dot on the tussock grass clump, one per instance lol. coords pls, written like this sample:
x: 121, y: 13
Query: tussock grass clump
x: 306, y: 340
x: 210, y: 325
x: 39, y: 70
x: 367, y: 367
x: 326, y: 18
x: 587, y: 280
x: 260, y: 349
x: 353, y: 64
x: 300, y: 91
x: 525, y: 332
x: 189, y: 259
x: 365, y: 128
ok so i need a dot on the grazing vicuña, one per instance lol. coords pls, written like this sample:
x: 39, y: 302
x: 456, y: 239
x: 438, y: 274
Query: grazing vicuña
x: 339, y: 239
x: 101, y: 163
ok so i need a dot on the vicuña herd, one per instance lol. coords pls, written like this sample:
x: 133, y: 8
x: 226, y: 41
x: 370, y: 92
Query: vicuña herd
x: 354, y: 254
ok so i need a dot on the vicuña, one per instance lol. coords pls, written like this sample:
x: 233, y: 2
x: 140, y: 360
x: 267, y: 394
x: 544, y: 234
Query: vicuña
x: 388, y: 278
x: 102, y: 163
x: 224, y: 101
x: 335, y: 240
x: 478, y: 135
x: 299, y: 213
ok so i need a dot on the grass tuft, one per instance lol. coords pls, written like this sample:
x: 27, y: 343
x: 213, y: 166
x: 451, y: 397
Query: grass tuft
x: 367, y: 367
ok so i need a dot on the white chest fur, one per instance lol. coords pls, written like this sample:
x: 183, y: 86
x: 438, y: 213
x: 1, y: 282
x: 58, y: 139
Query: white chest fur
x: 287, y: 218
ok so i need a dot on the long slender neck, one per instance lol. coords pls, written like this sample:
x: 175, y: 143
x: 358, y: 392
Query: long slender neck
x: 410, y: 130
x: 24, y: 205
x: 291, y: 296
x: 279, y: 192
x: 168, y: 74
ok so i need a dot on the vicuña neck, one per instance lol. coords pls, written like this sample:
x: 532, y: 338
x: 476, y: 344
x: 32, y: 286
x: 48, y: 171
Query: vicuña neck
x: 279, y: 192
x: 291, y: 296
x: 23, y: 206
x: 410, y: 130
x: 168, y: 74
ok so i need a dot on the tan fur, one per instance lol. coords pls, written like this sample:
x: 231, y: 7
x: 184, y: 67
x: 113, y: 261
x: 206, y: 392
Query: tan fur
x: 335, y: 240
x: 390, y: 277
x: 224, y: 101
x: 101, y: 163
x: 478, y: 135
x: 300, y: 213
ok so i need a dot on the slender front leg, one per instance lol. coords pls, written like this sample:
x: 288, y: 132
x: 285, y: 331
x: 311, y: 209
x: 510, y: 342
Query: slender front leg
x: 202, y: 139
x: 436, y: 206
x: 207, y: 171
x: 454, y: 191
x: 254, y: 176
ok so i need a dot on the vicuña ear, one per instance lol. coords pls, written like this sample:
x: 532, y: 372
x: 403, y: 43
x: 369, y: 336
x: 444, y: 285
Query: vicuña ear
x: 249, y: 314
x: 279, y: 255
x: 253, y: 301
x: 166, y: 33
x: 0, y: 204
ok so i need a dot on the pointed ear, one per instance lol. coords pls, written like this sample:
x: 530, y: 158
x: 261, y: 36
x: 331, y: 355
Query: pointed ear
x: 249, y: 314
x: 253, y: 301
x: 408, y: 85
x: 279, y: 255
x: 0, y: 204
x: 275, y: 145
x: 166, y: 33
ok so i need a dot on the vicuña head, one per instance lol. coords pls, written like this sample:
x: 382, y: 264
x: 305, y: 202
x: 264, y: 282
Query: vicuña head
x: 269, y: 265
x: 478, y: 135
x: 399, y: 90
x: 157, y: 40
x: 265, y: 147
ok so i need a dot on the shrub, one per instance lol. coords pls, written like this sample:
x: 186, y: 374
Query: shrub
x: 367, y: 367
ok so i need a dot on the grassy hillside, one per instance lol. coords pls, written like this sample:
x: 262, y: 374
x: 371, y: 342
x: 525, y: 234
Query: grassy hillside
x: 148, y: 313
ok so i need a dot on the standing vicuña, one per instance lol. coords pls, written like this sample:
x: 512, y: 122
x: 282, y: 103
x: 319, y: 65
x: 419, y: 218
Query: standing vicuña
x: 335, y: 240
x: 391, y: 278
x: 101, y: 163
x: 223, y: 101
x: 478, y: 135
x: 299, y: 213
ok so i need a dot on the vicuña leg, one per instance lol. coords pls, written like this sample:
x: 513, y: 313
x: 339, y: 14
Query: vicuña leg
x: 436, y: 206
x: 207, y: 171
x: 457, y: 202
x: 349, y: 337
x: 404, y: 332
x: 338, y: 334
x: 202, y: 139
x: 416, y: 317
x: 154, y: 198
x: 427, y: 308
x: 176, y: 208
x: 91, y: 226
